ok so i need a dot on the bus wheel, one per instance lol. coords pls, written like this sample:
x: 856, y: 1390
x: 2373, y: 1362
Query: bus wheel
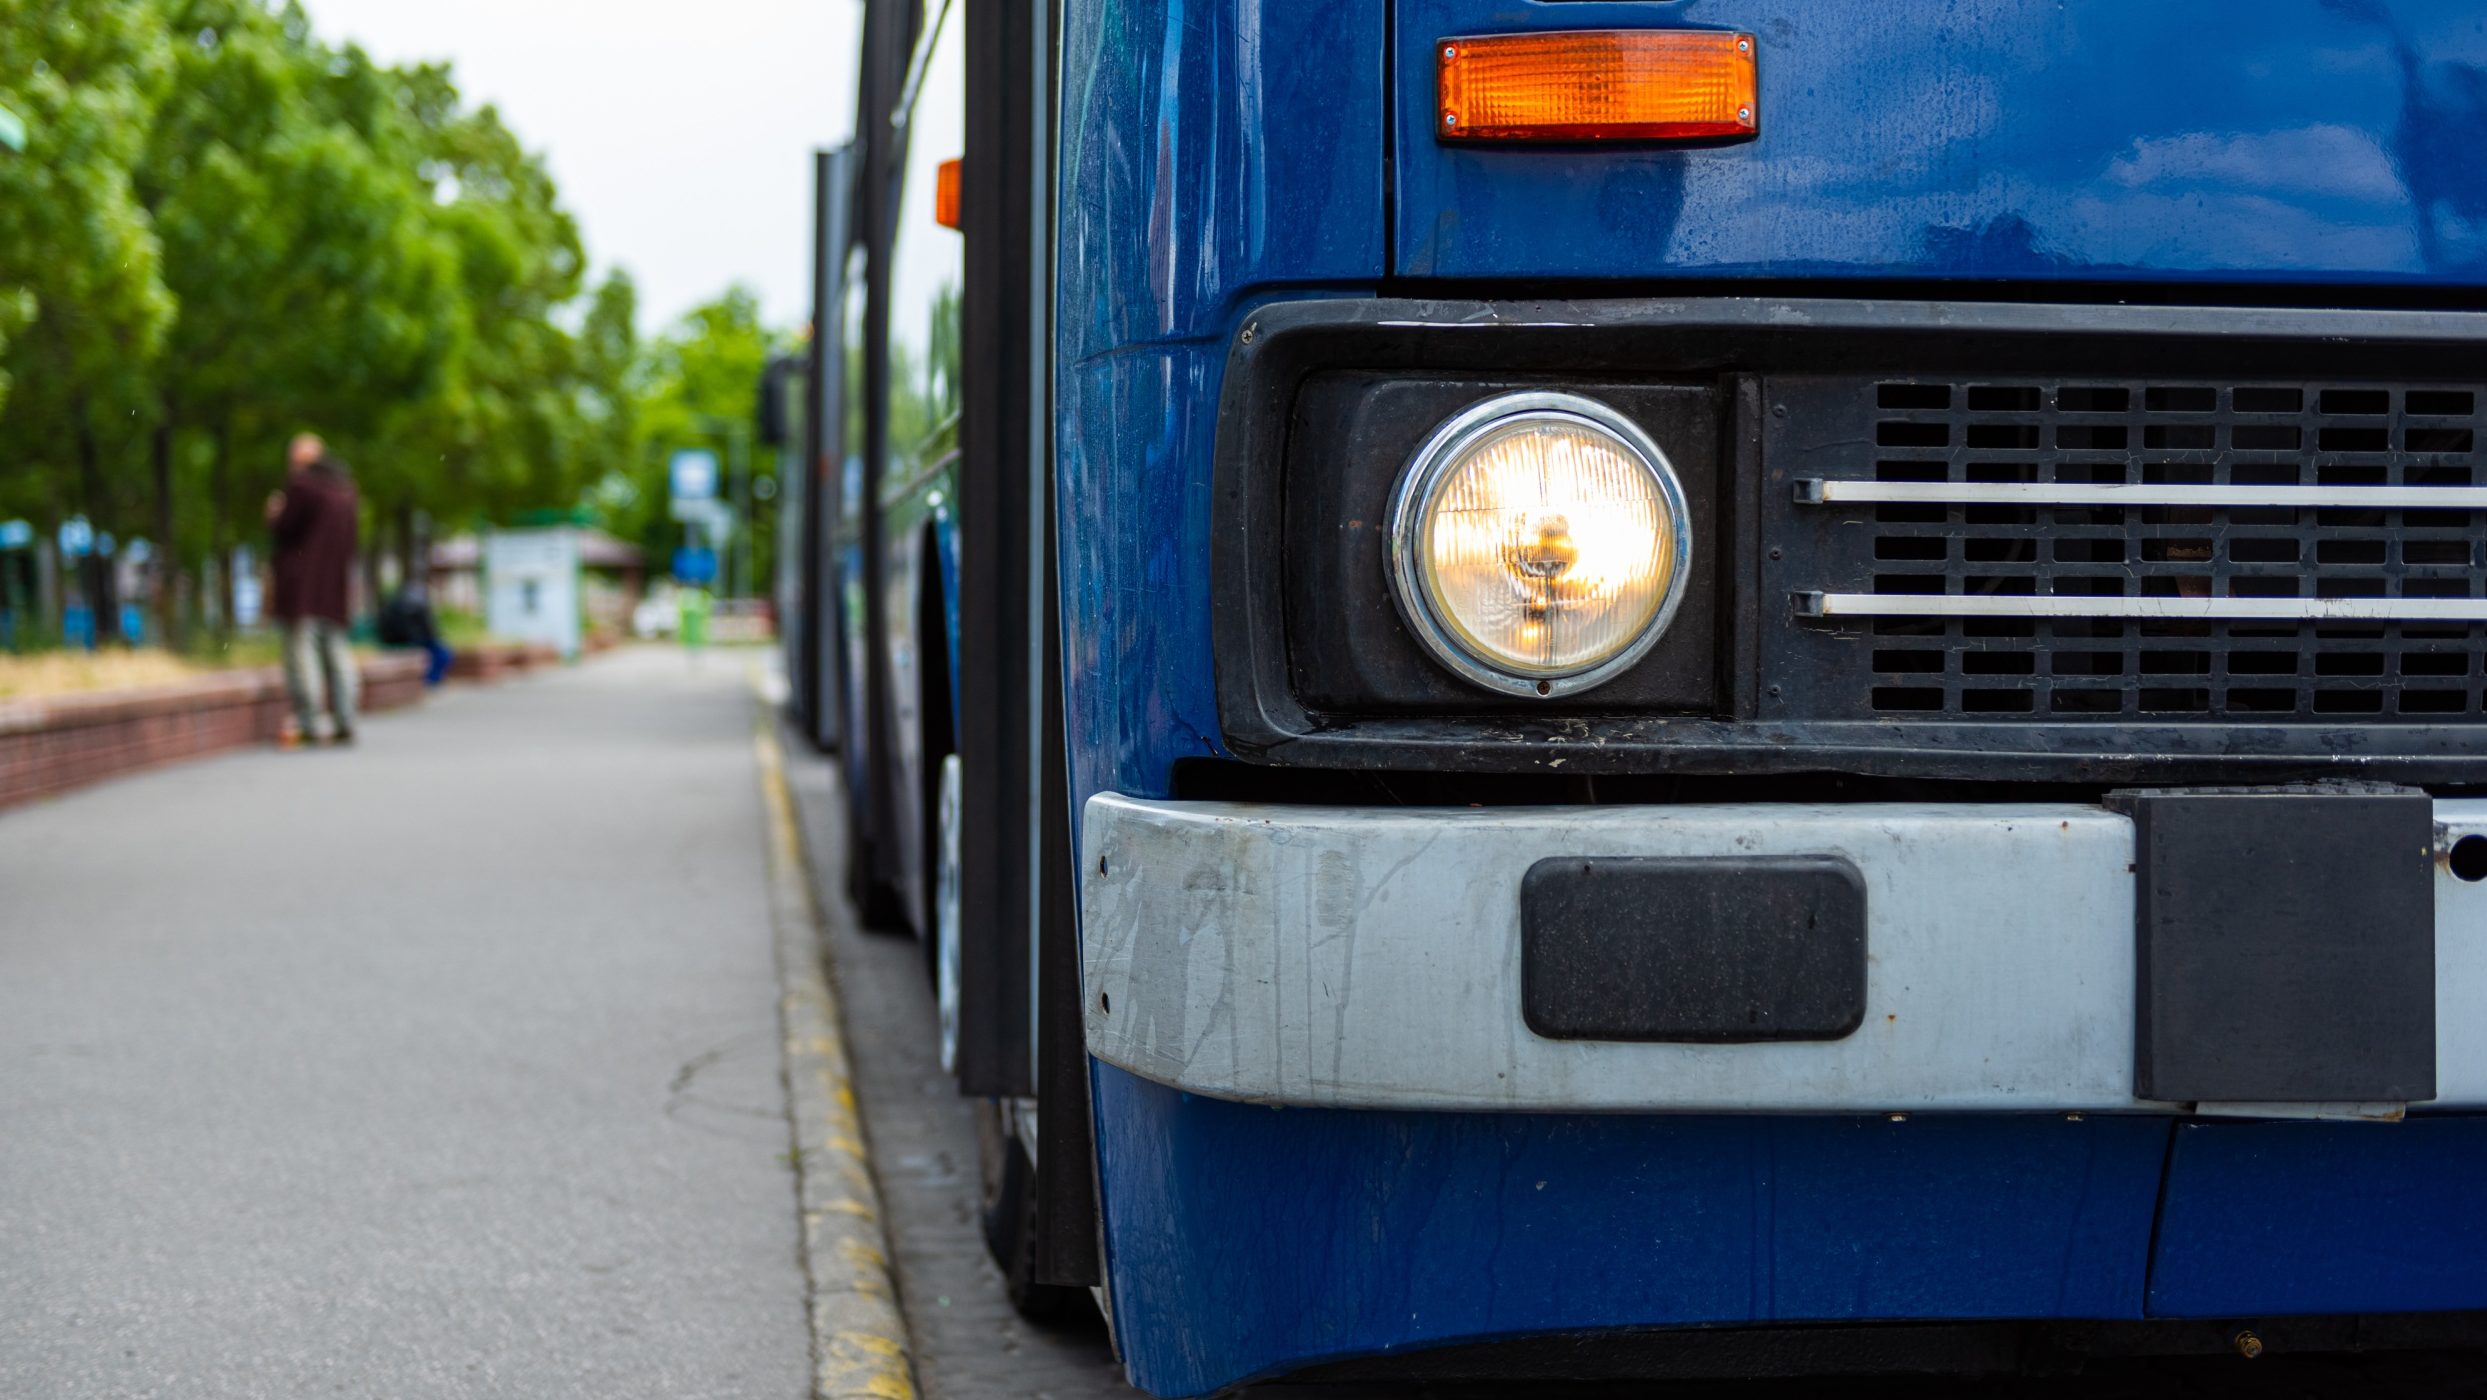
x: 1009, y: 1211
x: 946, y: 915
x: 877, y: 906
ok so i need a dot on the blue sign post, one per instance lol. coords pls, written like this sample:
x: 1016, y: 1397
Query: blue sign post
x: 695, y: 565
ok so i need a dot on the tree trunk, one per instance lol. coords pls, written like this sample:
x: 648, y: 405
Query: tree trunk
x: 413, y: 563
x: 167, y: 559
x: 373, y: 552
x: 219, y: 544
x: 98, y: 570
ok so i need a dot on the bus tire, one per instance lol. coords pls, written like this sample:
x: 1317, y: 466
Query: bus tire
x: 878, y: 909
x: 1009, y: 1218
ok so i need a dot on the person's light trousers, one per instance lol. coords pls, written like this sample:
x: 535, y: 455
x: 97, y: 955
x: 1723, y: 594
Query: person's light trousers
x: 319, y: 664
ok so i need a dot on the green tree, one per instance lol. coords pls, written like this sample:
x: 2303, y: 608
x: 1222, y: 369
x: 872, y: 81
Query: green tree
x: 312, y: 290
x: 501, y: 429
x: 80, y: 280
x: 697, y: 378
x: 226, y: 231
x: 609, y: 376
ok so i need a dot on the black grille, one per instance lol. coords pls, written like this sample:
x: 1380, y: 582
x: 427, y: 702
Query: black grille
x: 2127, y: 432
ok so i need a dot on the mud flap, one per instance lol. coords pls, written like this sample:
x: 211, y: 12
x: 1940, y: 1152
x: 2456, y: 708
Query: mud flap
x: 2286, y: 946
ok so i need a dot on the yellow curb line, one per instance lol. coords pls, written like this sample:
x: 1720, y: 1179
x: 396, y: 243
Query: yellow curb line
x: 859, y: 1336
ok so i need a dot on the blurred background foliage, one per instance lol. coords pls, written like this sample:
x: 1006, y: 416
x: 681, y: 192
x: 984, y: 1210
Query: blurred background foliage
x: 224, y: 230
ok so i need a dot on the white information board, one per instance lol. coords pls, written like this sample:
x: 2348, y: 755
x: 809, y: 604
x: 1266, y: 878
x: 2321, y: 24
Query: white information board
x: 532, y: 583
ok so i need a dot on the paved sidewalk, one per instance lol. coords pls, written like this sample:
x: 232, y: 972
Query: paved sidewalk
x: 445, y: 1066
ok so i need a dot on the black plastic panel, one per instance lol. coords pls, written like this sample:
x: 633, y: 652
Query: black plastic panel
x: 2287, y: 947
x: 1755, y: 948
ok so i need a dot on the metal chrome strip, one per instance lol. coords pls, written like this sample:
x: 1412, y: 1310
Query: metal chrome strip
x: 2050, y: 493
x: 2176, y: 609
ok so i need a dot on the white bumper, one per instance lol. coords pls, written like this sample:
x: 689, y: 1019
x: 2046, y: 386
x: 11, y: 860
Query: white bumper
x: 1370, y: 958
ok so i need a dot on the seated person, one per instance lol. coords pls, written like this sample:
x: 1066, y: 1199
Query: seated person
x: 406, y: 621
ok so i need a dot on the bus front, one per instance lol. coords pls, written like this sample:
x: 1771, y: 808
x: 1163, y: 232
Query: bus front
x: 1764, y: 665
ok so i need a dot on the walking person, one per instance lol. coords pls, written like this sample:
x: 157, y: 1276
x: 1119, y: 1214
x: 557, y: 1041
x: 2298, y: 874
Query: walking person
x: 313, y: 520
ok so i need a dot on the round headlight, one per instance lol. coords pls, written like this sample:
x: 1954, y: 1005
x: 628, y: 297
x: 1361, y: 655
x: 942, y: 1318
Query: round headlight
x: 1539, y: 543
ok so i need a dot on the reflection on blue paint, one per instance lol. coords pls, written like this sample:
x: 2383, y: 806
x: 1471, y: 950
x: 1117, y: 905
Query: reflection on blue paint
x: 1211, y: 149
x: 1253, y: 1239
x: 2281, y: 1218
x: 2113, y: 140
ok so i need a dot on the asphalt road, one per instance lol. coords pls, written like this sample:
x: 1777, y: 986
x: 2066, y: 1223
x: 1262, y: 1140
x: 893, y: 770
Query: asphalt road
x: 444, y: 1066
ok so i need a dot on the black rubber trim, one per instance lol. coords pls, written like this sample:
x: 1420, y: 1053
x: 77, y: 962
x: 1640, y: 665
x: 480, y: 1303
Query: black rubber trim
x: 1640, y: 1355
x: 996, y: 573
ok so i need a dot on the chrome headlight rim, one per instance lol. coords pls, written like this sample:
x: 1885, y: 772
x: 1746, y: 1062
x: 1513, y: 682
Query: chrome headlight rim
x: 1423, y: 476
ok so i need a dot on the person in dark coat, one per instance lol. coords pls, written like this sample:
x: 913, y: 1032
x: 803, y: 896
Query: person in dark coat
x: 313, y: 520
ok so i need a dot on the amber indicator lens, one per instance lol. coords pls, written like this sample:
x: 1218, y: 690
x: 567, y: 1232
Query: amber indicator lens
x: 1597, y: 85
x: 946, y: 193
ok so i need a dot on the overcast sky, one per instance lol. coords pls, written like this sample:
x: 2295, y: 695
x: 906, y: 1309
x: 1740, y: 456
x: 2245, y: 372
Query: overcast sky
x: 680, y: 133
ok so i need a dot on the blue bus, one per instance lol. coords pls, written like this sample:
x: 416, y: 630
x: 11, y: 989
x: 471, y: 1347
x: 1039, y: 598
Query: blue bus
x: 1649, y: 687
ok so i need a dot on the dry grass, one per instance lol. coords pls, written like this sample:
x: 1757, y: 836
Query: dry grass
x: 71, y: 672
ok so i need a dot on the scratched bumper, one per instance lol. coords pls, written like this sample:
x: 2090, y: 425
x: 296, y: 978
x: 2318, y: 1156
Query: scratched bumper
x: 1370, y: 958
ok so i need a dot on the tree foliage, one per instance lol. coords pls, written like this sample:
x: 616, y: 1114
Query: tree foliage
x: 81, y: 282
x: 695, y: 386
x: 225, y: 230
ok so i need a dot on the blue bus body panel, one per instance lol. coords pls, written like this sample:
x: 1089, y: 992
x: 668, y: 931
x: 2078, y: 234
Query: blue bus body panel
x: 946, y: 534
x: 2327, y: 141
x: 1219, y: 153
x: 2278, y: 1218
x: 1248, y: 1240
x: 1209, y: 147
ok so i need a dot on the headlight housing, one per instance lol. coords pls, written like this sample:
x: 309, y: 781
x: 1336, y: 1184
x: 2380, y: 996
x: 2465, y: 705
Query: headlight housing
x: 1539, y: 543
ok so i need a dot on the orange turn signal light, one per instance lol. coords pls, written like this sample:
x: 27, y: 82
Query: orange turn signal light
x: 1597, y: 85
x: 946, y: 193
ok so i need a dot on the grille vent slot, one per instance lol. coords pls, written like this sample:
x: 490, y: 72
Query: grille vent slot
x: 2251, y: 436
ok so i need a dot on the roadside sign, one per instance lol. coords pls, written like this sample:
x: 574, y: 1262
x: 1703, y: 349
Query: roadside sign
x: 532, y: 586
x: 693, y: 473
x: 695, y: 566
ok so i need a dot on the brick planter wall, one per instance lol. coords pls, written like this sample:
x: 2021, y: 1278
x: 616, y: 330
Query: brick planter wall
x: 498, y: 660
x: 51, y: 745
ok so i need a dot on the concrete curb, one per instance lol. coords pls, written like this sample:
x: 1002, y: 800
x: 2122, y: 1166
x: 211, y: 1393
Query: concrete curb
x: 860, y: 1346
